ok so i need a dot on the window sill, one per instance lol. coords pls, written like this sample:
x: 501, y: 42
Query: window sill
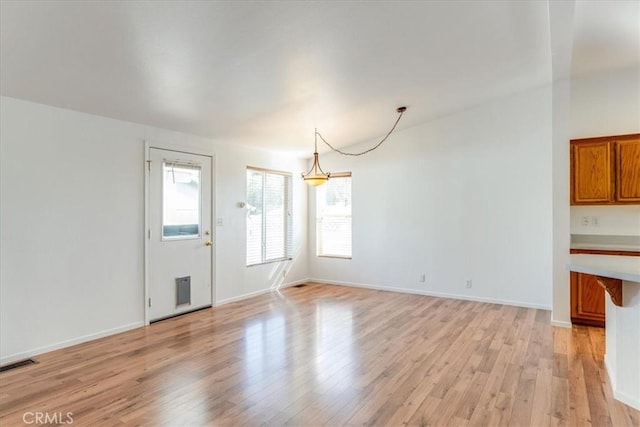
x: 334, y: 256
x: 270, y: 262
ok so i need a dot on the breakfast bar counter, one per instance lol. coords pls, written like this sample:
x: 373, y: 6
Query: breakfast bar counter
x: 622, y: 358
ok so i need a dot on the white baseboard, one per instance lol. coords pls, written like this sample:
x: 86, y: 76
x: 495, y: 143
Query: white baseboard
x: 561, y: 324
x: 634, y: 402
x: 627, y: 400
x: 260, y: 292
x: 607, y: 366
x: 40, y: 350
x: 434, y: 294
x: 68, y: 343
x: 295, y: 283
x: 90, y: 337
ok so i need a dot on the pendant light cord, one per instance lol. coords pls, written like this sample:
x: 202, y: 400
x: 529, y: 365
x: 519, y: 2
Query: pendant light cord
x: 400, y: 111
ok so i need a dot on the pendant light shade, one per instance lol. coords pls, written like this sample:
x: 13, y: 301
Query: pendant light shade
x: 316, y: 181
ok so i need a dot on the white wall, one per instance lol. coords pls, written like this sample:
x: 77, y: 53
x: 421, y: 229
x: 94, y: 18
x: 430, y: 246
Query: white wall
x: 467, y: 196
x: 72, y: 225
x: 561, y: 43
x: 600, y: 106
x: 622, y: 358
x: 605, y: 104
x: 560, y: 110
x: 612, y: 220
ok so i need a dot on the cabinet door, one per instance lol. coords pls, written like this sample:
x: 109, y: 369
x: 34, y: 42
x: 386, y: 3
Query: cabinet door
x: 587, y: 300
x: 628, y: 171
x: 592, y: 175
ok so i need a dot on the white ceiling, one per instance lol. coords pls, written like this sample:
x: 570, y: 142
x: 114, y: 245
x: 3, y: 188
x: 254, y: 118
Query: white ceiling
x: 267, y: 73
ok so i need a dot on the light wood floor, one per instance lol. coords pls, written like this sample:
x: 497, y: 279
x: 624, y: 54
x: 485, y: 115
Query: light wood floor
x: 329, y: 355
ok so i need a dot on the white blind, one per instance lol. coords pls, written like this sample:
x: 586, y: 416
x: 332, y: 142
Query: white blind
x: 269, y: 221
x: 333, y: 231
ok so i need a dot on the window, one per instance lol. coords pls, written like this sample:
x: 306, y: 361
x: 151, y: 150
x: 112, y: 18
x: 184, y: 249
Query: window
x: 333, y: 214
x: 269, y: 225
x: 180, y: 201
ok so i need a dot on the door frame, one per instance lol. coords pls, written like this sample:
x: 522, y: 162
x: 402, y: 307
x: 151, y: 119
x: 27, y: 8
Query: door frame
x: 148, y: 145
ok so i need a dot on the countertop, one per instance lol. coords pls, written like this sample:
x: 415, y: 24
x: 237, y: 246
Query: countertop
x: 605, y: 247
x: 617, y: 267
x: 605, y: 242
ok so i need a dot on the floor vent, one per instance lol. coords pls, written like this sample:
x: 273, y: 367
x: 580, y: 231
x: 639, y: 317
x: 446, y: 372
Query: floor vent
x: 300, y: 286
x: 16, y: 365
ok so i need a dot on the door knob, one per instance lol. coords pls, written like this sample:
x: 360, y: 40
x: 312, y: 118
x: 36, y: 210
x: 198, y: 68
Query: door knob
x: 208, y: 243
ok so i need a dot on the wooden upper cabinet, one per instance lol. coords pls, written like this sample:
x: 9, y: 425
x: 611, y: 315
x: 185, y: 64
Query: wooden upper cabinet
x: 605, y: 170
x: 628, y: 170
x: 592, y: 172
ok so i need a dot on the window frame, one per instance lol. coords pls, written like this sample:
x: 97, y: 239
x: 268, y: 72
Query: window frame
x: 288, y: 217
x: 320, y: 216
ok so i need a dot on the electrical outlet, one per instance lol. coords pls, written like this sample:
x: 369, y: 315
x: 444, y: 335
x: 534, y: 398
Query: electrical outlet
x: 423, y: 278
x: 585, y: 221
x: 469, y: 283
x: 595, y: 221
x: 284, y: 273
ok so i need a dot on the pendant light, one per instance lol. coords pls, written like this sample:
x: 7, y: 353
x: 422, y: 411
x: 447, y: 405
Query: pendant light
x: 317, y: 177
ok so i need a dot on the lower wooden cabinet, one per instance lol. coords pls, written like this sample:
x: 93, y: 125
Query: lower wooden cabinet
x: 587, y: 300
x: 587, y: 295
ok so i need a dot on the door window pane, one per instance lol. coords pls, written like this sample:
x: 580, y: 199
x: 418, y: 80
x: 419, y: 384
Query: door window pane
x: 180, y: 201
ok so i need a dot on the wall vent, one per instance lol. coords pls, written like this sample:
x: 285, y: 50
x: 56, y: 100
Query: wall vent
x: 16, y: 365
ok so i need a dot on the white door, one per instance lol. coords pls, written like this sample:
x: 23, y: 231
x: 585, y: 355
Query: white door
x: 180, y: 246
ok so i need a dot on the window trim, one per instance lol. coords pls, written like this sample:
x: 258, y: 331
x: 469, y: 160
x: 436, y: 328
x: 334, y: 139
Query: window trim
x: 336, y: 256
x: 288, y: 222
x: 335, y: 175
